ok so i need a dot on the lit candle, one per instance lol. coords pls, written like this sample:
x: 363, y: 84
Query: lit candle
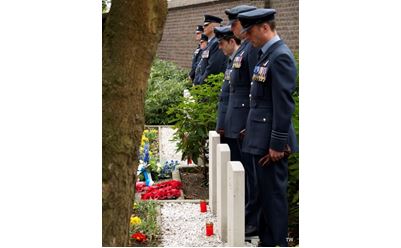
x: 209, y: 228
x: 203, y: 206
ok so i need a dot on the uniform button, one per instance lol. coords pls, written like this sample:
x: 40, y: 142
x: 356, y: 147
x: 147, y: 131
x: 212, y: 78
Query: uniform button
x: 251, y: 83
x: 264, y: 119
x: 243, y: 105
x: 250, y: 95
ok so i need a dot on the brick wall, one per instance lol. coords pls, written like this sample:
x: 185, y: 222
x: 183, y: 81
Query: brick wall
x: 178, y: 41
x: 287, y: 19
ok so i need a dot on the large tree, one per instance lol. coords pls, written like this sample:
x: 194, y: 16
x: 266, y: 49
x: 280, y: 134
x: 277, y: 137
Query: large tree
x: 132, y: 31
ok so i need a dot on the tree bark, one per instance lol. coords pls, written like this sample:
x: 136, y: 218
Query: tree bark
x: 132, y: 32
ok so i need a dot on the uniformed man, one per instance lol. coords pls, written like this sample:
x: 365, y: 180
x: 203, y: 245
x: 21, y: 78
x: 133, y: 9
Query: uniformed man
x: 228, y: 44
x: 203, y: 43
x: 201, y: 66
x: 213, y: 59
x: 196, y: 56
x: 237, y: 112
x: 269, y: 133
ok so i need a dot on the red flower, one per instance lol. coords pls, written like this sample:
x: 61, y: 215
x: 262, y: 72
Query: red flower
x: 165, y: 190
x: 140, y: 186
x: 175, y: 184
x: 138, y: 236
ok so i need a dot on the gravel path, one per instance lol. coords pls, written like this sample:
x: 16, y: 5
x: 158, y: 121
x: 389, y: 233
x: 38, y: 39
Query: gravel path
x: 168, y: 147
x: 184, y: 225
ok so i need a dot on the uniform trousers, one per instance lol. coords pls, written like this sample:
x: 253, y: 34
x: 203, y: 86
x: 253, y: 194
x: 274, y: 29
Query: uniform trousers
x: 271, y: 185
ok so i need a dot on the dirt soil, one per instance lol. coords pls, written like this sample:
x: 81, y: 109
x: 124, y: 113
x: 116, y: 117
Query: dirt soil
x: 193, y: 184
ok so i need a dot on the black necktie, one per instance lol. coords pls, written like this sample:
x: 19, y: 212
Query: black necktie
x: 260, y: 53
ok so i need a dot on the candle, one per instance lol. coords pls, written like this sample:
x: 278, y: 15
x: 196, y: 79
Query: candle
x: 203, y: 206
x: 209, y: 228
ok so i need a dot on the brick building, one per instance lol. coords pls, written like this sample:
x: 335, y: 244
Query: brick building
x: 178, y: 42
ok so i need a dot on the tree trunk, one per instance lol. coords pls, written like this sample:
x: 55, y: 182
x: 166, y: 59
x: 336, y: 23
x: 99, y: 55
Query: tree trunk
x: 132, y: 32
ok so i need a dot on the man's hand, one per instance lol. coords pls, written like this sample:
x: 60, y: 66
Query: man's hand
x: 265, y: 160
x: 221, y: 132
x: 273, y: 156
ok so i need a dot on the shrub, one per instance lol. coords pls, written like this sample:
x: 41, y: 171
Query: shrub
x: 165, y: 86
x: 195, y: 116
x: 293, y: 169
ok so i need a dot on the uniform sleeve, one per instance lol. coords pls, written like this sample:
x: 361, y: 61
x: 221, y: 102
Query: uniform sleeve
x: 193, y: 67
x: 195, y: 61
x: 283, y: 83
x: 216, y: 62
x: 197, y: 74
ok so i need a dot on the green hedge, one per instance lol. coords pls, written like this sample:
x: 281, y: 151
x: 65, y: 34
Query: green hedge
x: 165, y: 87
x: 293, y: 170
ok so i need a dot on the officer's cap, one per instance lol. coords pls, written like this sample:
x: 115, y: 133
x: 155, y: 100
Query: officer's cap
x: 210, y: 18
x: 223, y: 32
x: 199, y: 28
x: 250, y: 18
x: 204, y: 37
x: 233, y: 12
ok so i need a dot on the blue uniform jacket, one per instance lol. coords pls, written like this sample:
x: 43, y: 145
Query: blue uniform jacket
x: 213, y: 62
x: 271, y: 104
x: 195, y: 60
x: 240, y: 85
x: 200, y: 68
x: 223, y: 98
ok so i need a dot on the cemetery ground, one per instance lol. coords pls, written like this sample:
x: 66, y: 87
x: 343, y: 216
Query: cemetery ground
x: 175, y: 219
x: 167, y: 213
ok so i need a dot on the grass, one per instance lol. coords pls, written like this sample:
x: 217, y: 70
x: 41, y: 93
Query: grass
x: 147, y: 212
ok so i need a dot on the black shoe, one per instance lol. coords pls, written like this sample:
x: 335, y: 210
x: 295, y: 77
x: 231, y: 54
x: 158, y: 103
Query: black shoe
x: 251, y: 231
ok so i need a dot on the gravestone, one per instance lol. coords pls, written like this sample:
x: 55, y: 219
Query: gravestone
x: 214, y: 139
x: 235, y: 204
x: 222, y: 158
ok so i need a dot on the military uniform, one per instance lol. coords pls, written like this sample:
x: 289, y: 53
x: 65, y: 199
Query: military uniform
x: 200, y: 67
x: 237, y: 113
x: 269, y: 126
x: 213, y: 60
x: 196, y: 56
x: 223, y: 99
x: 195, y: 61
x: 223, y: 32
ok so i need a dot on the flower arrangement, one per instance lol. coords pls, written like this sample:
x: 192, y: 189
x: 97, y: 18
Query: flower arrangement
x: 150, y: 168
x: 149, y: 165
x: 165, y: 190
x: 150, y: 136
x: 168, y: 168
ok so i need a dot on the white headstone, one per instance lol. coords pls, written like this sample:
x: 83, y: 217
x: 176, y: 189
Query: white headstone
x: 214, y: 139
x: 235, y: 204
x: 223, y: 156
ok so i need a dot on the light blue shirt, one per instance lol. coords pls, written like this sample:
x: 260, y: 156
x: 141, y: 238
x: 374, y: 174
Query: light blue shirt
x: 234, y: 54
x: 268, y: 44
x: 210, y: 40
